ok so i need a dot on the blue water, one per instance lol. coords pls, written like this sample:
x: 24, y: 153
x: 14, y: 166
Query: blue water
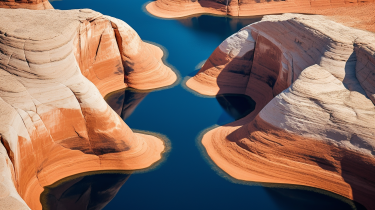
x: 186, y: 179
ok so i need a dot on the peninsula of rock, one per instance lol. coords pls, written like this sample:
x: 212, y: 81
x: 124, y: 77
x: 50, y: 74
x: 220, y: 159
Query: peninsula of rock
x: 313, y: 81
x: 55, y: 68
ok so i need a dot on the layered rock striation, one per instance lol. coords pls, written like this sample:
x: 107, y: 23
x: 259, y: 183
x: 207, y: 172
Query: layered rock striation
x: 351, y: 12
x: 179, y: 8
x: 313, y: 81
x: 26, y: 4
x: 55, y: 68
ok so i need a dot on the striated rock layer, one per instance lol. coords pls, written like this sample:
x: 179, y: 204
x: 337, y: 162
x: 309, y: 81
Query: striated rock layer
x: 352, y: 12
x: 55, y: 68
x: 26, y: 4
x: 313, y: 81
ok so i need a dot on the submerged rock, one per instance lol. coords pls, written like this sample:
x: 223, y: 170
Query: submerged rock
x: 55, y: 68
x: 313, y: 82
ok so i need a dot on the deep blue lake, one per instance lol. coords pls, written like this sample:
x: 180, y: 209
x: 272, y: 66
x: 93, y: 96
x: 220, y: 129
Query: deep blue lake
x: 186, y: 179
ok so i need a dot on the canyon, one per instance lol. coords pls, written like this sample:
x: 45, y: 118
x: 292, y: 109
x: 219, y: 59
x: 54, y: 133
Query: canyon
x: 56, y: 66
x: 312, y: 80
x: 308, y: 80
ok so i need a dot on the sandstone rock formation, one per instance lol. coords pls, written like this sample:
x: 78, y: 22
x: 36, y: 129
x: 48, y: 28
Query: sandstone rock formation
x: 55, y: 68
x: 26, y: 4
x: 313, y: 81
x: 352, y: 12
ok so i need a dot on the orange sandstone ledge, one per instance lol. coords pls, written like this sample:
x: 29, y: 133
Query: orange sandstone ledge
x: 26, y: 4
x: 313, y: 81
x: 55, y: 68
x: 359, y: 14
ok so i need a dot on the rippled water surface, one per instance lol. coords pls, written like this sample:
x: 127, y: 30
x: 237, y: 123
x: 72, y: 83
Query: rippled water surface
x: 186, y: 179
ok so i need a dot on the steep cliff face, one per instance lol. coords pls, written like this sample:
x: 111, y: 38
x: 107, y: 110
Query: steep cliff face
x: 351, y: 12
x: 26, y: 4
x: 313, y: 83
x: 55, y: 68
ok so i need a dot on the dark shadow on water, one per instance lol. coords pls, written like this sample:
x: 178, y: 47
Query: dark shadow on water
x: 84, y: 191
x: 131, y: 101
x: 236, y: 106
x: 221, y: 26
x: 124, y: 101
x: 305, y: 199
x: 193, y: 73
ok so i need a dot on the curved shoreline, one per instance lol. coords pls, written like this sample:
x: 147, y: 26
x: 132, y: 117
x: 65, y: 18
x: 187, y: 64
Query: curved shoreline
x: 356, y: 15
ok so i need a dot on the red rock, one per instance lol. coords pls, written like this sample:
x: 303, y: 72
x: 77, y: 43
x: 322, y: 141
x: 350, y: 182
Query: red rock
x: 26, y: 4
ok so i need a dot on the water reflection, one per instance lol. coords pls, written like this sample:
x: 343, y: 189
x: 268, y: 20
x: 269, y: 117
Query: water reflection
x: 306, y: 199
x: 236, y: 106
x: 124, y: 101
x: 221, y: 26
x: 91, y: 192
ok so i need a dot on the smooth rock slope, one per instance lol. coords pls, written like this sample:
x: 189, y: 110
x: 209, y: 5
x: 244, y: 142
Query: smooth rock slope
x: 313, y: 81
x: 26, y: 4
x: 55, y: 68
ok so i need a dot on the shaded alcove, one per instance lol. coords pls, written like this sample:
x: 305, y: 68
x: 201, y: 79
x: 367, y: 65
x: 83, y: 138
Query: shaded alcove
x: 84, y: 191
x: 308, y: 198
x: 236, y: 106
x: 125, y: 101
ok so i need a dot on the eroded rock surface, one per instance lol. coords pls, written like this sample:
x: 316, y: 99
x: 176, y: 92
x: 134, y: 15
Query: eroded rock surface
x: 314, y: 122
x: 352, y: 13
x: 26, y: 4
x: 55, y: 68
